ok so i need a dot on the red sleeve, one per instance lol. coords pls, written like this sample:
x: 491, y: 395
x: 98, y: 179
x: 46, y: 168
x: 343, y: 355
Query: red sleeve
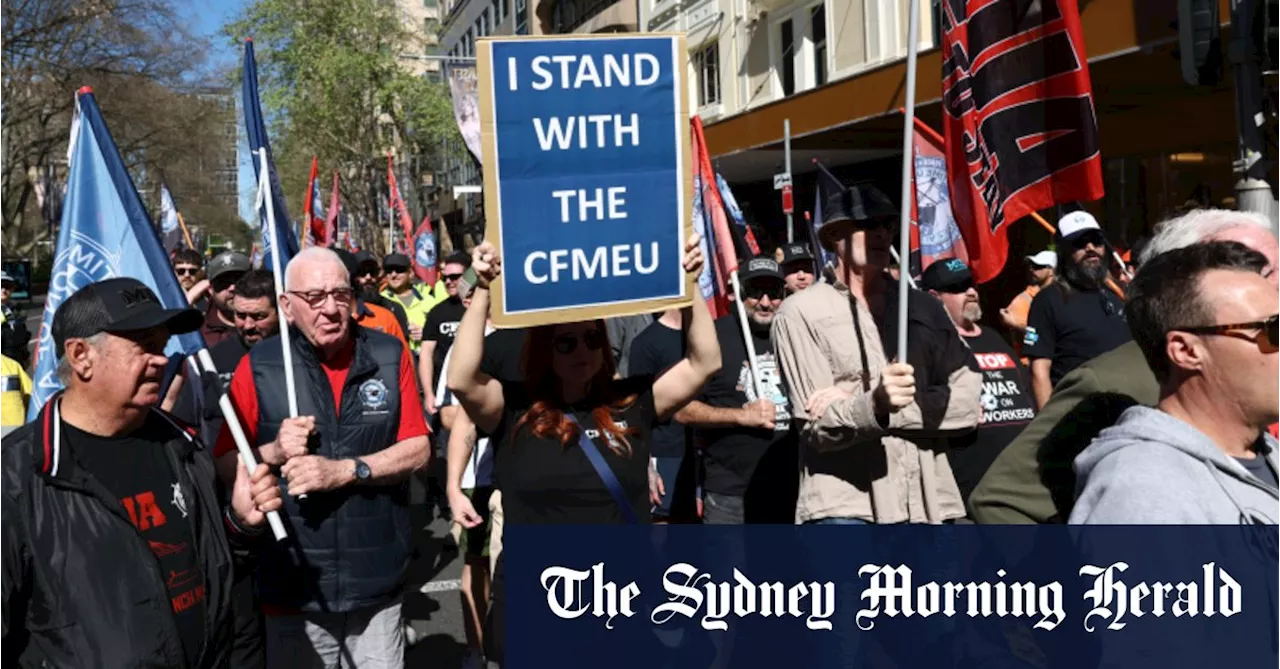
x: 244, y: 399
x: 412, y: 423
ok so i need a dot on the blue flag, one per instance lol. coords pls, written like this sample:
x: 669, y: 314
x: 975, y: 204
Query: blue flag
x: 105, y: 233
x: 257, y: 133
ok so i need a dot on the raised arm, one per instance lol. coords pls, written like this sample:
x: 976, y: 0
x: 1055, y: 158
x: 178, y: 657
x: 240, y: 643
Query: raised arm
x: 480, y: 395
x: 683, y: 381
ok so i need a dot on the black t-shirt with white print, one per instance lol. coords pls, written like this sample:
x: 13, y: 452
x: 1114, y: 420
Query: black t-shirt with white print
x: 545, y: 482
x: 136, y: 470
x: 441, y: 327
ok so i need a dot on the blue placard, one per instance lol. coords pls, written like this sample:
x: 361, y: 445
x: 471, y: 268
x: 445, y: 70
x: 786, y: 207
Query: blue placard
x: 587, y: 173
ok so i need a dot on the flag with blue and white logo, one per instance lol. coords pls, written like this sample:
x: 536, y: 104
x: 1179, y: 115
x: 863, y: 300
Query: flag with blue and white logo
x: 256, y: 129
x: 105, y: 233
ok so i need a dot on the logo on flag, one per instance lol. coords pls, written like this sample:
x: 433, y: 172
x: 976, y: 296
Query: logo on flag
x: 424, y: 252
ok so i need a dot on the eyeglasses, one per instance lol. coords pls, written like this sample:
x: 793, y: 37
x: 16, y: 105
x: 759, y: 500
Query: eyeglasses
x: 1266, y: 334
x: 317, y: 298
x: 186, y: 271
x: 567, y: 343
x: 451, y: 277
x: 774, y: 293
x: 1089, y: 239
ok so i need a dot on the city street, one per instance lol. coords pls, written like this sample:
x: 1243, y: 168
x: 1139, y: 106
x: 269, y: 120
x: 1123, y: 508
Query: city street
x: 431, y: 603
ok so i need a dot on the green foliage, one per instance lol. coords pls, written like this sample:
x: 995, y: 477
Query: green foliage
x: 335, y: 85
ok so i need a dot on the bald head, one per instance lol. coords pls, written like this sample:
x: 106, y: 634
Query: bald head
x: 308, y: 263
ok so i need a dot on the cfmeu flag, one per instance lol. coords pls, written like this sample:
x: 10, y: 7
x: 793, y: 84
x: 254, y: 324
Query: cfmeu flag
x: 425, y: 253
x: 397, y: 204
x: 257, y: 133
x: 105, y: 233
x: 723, y: 244
x: 313, y: 209
x: 935, y: 235
x: 1020, y: 124
x: 331, y: 220
x: 170, y: 226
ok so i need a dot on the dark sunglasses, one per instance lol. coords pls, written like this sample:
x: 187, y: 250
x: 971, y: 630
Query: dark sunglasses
x: 397, y: 270
x: 451, y: 277
x: 567, y: 343
x: 1266, y: 333
x: 1089, y: 238
x: 224, y: 282
x: 367, y: 271
x: 957, y: 288
x: 186, y: 271
x: 758, y: 292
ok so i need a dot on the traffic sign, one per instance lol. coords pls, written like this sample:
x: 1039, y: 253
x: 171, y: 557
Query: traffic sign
x: 781, y: 180
x: 587, y: 175
x: 788, y: 205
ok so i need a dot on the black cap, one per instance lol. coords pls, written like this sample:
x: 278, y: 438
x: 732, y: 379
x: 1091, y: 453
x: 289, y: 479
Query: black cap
x: 760, y: 267
x: 363, y: 257
x: 349, y: 261
x: 117, y: 305
x: 228, y: 261
x: 396, y: 260
x: 792, y: 252
x: 859, y: 202
x: 946, y: 273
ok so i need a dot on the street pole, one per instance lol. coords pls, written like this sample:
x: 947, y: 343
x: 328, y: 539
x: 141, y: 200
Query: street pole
x: 908, y: 157
x: 786, y: 149
x: 1253, y: 193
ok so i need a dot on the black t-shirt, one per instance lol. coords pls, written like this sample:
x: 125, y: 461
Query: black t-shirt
x: 653, y: 352
x: 225, y: 355
x: 544, y: 482
x: 733, y: 455
x: 1260, y: 469
x: 441, y: 327
x: 501, y: 357
x: 1007, y: 407
x: 1073, y: 330
x: 136, y: 470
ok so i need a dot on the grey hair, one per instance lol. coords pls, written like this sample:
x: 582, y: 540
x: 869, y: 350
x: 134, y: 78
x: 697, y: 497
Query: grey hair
x: 64, y: 370
x: 1196, y: 226
x: 317, y: 254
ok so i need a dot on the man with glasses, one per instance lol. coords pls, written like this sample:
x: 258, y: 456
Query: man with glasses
x: 440, y: 328
x: 416, y: 302
x: 333, y: 593
x: 749, y: 446
x: 1007, y: 405
x: 219, y: 320
x: 1206, y: 321
x: 366, y: 278
x: 188, y: 267
x: 1077, y: 318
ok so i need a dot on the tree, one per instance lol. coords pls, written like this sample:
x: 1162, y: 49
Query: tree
x: 147, y: 72
x: 332, y: 84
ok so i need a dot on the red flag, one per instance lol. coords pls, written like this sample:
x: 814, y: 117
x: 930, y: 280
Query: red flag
x: 1021, y: 130
x: 712, y: 223
x: 312, y: 223
x: 425, y: 253
x: 934, y: 234
x: 331, y: 216
x: 397, y: 204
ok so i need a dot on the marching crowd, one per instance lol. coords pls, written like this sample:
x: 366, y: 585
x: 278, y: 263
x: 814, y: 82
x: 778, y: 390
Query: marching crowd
x: 134, y: 535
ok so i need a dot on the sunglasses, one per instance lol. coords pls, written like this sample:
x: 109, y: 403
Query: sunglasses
x: 957, y: 288
x: 567, y: 343
x: 451, y: 277
x: 186, y: 271
x: 318, y: 298
x: 1089, y: 239
x: 1266, y: 333
x: 367, y: 271
x: 756, y: 293
x: 224, y: 282
x: 397, y: 270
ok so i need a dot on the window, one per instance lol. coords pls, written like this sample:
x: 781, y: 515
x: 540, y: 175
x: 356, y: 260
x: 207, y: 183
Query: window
x: 522, y: 17
x: 818, y: 33
x: 707, y: 62
x: 499, y: 12
x: 788, y: 64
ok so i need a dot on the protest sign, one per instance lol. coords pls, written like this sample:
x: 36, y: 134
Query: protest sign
x: 587, y: 175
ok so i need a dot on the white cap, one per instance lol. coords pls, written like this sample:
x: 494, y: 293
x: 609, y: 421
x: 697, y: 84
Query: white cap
x: 1075, y: 223
x: 1044, y: 258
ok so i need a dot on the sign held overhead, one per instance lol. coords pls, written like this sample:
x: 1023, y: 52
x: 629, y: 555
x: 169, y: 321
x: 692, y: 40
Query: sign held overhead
x: 587, y: 176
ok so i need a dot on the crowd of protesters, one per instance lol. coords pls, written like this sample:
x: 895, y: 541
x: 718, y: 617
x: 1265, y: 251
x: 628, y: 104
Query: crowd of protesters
x: 1077, y: 404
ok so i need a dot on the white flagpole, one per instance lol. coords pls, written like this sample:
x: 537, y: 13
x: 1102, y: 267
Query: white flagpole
x: 908, y: 157
x: 264, y: 184
x: 746, y: 336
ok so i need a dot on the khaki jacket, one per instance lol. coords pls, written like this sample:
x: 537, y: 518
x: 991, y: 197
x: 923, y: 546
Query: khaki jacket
x: 851, y: 465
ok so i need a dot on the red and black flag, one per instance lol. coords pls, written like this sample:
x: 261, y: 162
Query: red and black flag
x: 1020, y: 124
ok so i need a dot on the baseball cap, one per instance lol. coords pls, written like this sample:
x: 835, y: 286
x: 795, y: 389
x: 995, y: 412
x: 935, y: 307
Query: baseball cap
x: 121, y: 304
x: 946, y: 273
x: 5, y: 278
x: 228, y: 261
x: 1045, y: 258
x: 761, y: 267
x: 1077, y: 223
x: 396, y: 260
x: 792, y: 252
x: 363, y: 257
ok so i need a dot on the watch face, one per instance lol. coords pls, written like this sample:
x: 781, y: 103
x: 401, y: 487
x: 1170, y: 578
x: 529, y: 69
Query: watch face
x: 362, y: 470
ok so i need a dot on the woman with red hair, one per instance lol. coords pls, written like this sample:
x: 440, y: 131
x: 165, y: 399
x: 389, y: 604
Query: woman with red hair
x: 546, y: 474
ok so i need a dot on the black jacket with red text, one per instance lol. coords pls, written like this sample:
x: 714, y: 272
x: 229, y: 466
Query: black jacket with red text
x: 81, y: 586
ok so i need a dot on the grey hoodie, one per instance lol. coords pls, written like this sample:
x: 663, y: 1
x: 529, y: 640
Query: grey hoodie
x: 1151, y: 469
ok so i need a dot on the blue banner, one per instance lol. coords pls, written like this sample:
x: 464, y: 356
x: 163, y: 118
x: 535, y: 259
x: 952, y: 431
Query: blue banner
x: 105, y: 232
x: 890, y: 596
x: 588, y: 139
x: 256, y: 130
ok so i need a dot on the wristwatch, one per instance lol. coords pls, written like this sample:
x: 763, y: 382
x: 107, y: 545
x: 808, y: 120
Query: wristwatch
x: 363, y: 473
